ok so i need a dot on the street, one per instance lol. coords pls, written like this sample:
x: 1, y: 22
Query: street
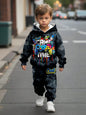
x: 17, y: 95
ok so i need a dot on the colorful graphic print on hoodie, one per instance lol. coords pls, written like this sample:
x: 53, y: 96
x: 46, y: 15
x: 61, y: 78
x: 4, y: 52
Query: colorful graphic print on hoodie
x: 43, y: 48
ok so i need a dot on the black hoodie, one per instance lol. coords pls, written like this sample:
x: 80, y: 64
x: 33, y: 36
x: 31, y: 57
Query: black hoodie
x: 44, y: 48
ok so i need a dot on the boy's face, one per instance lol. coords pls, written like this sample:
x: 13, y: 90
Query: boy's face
x: 44, y: 20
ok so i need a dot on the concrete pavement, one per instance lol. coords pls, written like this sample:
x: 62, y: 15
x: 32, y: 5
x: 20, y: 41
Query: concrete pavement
x: 8, y: 54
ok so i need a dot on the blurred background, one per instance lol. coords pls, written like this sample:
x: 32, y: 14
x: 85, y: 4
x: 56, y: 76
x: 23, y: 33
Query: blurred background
x: 16, y: 15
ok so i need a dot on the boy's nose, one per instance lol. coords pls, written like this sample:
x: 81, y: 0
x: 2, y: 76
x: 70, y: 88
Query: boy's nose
x: 43, y: 20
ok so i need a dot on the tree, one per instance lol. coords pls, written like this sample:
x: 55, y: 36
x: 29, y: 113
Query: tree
x: 50, y: 2
x: 65, y: 3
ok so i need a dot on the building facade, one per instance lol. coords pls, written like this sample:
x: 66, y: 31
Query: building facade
x: 30, y: 18
x: 38, y: 2
x: 80, y: 4
x: 16, y: 12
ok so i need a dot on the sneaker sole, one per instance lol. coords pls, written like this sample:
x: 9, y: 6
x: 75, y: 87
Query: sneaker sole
x: 39, y: 105
x: 50, y: 111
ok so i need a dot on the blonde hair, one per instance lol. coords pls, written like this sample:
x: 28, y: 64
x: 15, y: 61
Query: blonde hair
x: 42, y: 9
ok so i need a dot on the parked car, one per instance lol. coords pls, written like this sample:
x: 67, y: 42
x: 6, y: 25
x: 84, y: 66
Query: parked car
x: 63, y: 16
x: 56, y: 14
x: 80, y: 14
x: 70, y: 14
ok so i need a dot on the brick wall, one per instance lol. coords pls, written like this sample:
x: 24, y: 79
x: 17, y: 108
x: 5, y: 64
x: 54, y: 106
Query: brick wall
x: 30, y: 7
x: 5, y: 10
x: 13, y: 17
x: 8, y: 13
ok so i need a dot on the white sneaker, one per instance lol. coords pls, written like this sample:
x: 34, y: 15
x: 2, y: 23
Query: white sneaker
x: 50, y: 106
x: 40, y: 101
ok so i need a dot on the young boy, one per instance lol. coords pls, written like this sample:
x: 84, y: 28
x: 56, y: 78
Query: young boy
x: 44, y: 45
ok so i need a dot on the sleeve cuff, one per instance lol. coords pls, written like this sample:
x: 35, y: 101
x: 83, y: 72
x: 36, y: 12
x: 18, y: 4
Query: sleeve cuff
x: 61, y: 66
x: 23, y: 64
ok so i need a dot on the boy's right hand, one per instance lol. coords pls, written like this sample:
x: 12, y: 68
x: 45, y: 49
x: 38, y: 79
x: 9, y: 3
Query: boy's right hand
x: 24, y: 67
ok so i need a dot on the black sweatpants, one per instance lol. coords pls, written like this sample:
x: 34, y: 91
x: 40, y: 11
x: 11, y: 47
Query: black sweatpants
x: 44, y: 80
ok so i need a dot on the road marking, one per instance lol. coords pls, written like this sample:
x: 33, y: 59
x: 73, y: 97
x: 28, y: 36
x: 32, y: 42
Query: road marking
x: 67, y: 29
x: 79, y: 41
x: 75, y: 41
x: 81, y: 32
x: 65, y: 41
x: 73, y: 29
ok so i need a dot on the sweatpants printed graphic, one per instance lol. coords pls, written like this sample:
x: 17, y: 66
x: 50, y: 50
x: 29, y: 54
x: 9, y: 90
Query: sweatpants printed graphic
x: 44, y: 82
x: 50, y: 71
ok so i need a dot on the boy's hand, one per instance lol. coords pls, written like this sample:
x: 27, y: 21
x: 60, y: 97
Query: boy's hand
x: 61, y: 69
x: 24, y: 67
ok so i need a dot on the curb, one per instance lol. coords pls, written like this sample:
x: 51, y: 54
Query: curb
x: 2, y: 65
x: 9, y: 58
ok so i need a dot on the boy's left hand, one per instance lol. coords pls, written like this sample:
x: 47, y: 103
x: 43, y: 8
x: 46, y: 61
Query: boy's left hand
x: 61, y: 69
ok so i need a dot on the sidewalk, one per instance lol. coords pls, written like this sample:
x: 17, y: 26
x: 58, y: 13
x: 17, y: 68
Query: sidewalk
x: 8, y: 54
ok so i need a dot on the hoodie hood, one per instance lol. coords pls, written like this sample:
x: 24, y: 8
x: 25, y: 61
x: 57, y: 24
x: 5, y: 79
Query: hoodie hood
x: 52, y: 27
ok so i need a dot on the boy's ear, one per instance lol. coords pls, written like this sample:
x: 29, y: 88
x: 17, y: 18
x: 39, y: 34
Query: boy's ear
x: 36, y: 18
x: 51, y: 17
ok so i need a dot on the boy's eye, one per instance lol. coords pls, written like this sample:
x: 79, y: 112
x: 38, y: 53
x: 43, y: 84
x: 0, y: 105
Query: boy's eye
x: 41, y: 18
x: 46, y: 18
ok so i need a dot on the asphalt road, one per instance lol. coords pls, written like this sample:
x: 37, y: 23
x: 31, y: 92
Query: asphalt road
x: 18, y: 97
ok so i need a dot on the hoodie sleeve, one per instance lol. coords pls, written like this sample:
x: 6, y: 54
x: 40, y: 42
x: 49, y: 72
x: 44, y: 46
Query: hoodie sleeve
x: 27, y: 50
x: 60, y: 51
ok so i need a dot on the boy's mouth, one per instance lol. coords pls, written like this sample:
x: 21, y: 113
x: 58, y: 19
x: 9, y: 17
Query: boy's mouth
x: 44, y: 24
